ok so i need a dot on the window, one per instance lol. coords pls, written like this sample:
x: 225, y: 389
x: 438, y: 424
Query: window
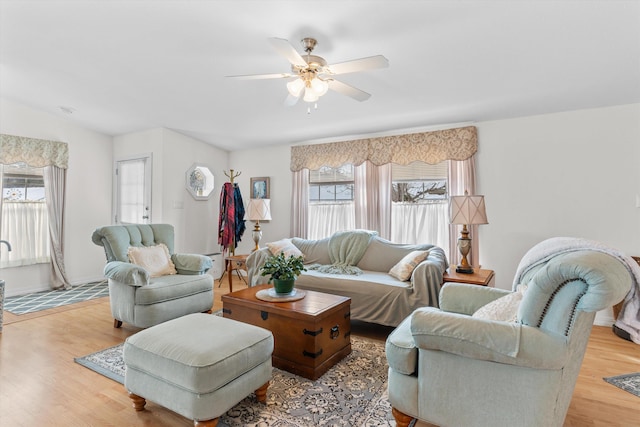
x: 329, y: 184
x: 24, y: 216
x: 419, y: 202
x: 331, y: 207
x: 419, y: 208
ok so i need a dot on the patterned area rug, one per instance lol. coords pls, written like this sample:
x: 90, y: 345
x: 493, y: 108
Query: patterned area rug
x: 37, y: 301
x: 627, y: 382
x: 352, y: 393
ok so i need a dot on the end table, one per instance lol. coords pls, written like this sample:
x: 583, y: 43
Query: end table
x: 478, y: 277
x: 234, y: 262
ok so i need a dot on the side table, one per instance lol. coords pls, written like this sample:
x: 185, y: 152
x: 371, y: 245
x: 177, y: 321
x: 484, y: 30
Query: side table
x: 478, y: 277
x: 231, y: 263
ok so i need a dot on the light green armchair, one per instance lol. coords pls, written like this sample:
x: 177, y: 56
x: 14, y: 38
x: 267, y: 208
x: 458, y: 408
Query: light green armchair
x: 449, y: 368
x: 138, y: 298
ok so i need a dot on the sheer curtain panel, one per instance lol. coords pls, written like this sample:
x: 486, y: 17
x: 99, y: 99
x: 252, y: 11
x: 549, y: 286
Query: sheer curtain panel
x: 55, y: 188
x: 300, y: 204
x: 373, y: 198
x: 421, y: 223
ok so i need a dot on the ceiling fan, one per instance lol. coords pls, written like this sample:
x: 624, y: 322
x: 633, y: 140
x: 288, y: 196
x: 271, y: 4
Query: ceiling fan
x: 311, y: 76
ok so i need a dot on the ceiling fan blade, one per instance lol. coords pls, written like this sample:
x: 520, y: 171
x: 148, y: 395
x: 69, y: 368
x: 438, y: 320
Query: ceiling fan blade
x: 261, y: 76
x: 345, y: 89
x: 285, y: 49
x: 291, y: 100
x: 362, y: 64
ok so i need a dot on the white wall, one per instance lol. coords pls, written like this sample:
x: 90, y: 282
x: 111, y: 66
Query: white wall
x: 88, y: 195
x: 272, y: 162
x: 568, y: 174
x: 141, y: 144
x: 195, y: 221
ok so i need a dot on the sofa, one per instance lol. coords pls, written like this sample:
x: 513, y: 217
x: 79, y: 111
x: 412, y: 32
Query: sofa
x: 148, y: 282
x: 376, y: 295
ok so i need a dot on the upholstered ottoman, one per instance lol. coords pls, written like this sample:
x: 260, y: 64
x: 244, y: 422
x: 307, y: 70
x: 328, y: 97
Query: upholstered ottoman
x: 198, y: 365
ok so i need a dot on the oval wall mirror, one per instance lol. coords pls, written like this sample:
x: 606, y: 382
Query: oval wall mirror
x: 199, y: 181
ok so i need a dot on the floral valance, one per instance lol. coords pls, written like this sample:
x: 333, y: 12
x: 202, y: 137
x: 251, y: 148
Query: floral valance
x: 36, y: 153
x: 429, y: 147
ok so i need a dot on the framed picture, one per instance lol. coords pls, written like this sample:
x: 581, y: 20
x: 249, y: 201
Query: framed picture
x: 260, y: 188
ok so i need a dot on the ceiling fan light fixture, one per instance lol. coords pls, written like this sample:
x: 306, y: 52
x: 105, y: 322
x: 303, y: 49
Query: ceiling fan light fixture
x: 319, y: 86
x: 295, y: 87
x: 310, y: 95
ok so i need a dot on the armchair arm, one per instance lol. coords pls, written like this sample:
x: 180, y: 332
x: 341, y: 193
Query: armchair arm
x: 502, y: 342
x: 124, y: 272
x: 191, y: 263
x: 466, y: 299
x: 254, y: 262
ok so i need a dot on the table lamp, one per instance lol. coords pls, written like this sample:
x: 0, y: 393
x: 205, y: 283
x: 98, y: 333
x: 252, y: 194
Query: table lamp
x: 466, y: 210
x: 258, y: 210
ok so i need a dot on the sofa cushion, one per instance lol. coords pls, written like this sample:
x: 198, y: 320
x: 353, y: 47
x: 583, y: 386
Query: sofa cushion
x: 403, y: 269
x: 155, y: 259
x: 285, y: 246
x: 504, y: 308
x: 173, y: 287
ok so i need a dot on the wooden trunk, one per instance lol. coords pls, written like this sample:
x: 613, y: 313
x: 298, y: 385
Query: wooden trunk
x: 310, y: 335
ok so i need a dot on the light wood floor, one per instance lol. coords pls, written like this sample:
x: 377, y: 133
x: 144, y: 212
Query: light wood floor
x: 41, y: 385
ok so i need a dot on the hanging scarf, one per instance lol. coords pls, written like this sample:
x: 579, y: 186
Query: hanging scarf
x: 231, y: 224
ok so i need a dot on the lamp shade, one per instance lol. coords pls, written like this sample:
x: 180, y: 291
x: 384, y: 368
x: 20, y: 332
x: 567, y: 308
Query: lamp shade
x: 295, y: 87
x: 468, y: 210
x: 259, y: 210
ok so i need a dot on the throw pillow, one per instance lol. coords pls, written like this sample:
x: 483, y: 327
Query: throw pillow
x: 285, y: 246
x: 403, y: 269
x: 155, y: 259
x: 504, y: 308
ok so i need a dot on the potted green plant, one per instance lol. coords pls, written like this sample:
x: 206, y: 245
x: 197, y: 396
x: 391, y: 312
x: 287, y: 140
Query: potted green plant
x: 283, y: 271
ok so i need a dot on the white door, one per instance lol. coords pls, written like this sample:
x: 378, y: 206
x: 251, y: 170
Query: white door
x: 132, y: 190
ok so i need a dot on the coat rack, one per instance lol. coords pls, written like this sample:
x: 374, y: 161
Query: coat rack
x: 231, y: 217
x: 232, y: 175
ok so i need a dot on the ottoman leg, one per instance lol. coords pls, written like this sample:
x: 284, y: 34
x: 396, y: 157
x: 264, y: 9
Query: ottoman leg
x: 208, y: 423
x: 138, y: 402
x: 261, y: 393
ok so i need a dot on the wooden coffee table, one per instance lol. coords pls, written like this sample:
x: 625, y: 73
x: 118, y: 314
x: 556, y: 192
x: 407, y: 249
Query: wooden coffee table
x: 310, y: 335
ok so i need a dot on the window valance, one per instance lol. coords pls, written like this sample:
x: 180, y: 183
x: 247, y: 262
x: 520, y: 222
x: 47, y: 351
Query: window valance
x: 36, y: 153
x: 429, y: 147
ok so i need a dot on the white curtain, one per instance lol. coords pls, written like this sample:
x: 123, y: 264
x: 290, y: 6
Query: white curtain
x: 328, y: 218
x: 419, y: 223
x: 372, y: 197
x: 300, y: 204
x: 55, y: 188
x: 25, y: 225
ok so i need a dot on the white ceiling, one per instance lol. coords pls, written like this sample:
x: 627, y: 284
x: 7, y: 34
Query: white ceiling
x: 127, y: 66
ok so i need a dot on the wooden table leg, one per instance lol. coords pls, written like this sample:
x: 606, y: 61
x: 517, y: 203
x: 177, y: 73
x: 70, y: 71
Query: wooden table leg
x: 229, y: 274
